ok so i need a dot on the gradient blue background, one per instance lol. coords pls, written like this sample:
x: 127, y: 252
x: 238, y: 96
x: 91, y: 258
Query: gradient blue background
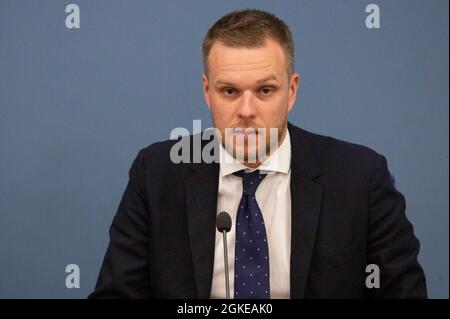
x: 77, y: 105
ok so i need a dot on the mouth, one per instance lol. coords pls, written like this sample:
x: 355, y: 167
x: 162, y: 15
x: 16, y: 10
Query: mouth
x: 245, y: 131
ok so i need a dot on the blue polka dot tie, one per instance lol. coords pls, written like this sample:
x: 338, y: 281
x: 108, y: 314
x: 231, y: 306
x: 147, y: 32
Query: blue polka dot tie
x: 251, y: 263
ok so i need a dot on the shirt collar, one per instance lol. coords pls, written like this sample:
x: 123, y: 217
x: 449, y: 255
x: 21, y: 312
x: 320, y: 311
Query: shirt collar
x: 278, y: 161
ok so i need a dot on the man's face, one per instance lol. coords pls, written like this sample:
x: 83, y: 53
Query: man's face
x: 249, y: 89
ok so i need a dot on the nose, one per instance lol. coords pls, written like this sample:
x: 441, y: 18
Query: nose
x: 246, y: 107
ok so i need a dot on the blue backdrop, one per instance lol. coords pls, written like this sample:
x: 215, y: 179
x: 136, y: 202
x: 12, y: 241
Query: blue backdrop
x: 76, y: 105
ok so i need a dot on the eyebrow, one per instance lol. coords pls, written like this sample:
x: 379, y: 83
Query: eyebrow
x: 267, y: 78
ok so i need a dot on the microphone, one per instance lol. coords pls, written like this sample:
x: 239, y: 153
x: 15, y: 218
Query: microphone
x: 223, y: 223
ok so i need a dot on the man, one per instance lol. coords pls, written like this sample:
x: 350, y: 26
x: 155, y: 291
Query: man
x: 308, y: 215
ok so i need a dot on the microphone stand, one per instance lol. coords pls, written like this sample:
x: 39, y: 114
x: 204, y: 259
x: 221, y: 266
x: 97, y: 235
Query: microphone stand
x: 225, y: 256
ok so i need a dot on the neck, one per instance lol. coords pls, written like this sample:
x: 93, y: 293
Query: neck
x: 252, y: 165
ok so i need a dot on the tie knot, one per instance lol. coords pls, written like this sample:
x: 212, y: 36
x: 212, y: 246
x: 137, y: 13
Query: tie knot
x: 250, y: 181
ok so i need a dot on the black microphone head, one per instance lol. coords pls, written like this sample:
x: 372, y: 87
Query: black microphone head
x: 223, y: 222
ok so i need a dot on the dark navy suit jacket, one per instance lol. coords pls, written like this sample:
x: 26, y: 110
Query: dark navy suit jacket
x: 346, y: 214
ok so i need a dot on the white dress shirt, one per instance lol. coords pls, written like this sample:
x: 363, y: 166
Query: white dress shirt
x: 274, y: 199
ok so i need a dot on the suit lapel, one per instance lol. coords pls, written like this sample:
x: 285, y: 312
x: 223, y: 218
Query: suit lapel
x: 201, y: 205
x: 306, y: 199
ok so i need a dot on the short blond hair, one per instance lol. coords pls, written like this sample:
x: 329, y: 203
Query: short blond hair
x: 250, y: 28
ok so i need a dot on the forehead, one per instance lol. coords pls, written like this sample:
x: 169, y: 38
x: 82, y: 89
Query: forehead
x: 236, y: 63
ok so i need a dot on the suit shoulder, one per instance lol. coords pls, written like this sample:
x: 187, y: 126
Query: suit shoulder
x: 330, y: 149
x: 156, y: 155
x: 160, y: 148
x: 339, y: 145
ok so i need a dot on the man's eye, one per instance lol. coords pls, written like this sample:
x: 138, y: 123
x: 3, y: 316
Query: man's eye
x: 266, y: 91
x: 229, y: 91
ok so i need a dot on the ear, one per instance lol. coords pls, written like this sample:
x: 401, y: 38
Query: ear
x: 206, y: 90
x: 293, y: 88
